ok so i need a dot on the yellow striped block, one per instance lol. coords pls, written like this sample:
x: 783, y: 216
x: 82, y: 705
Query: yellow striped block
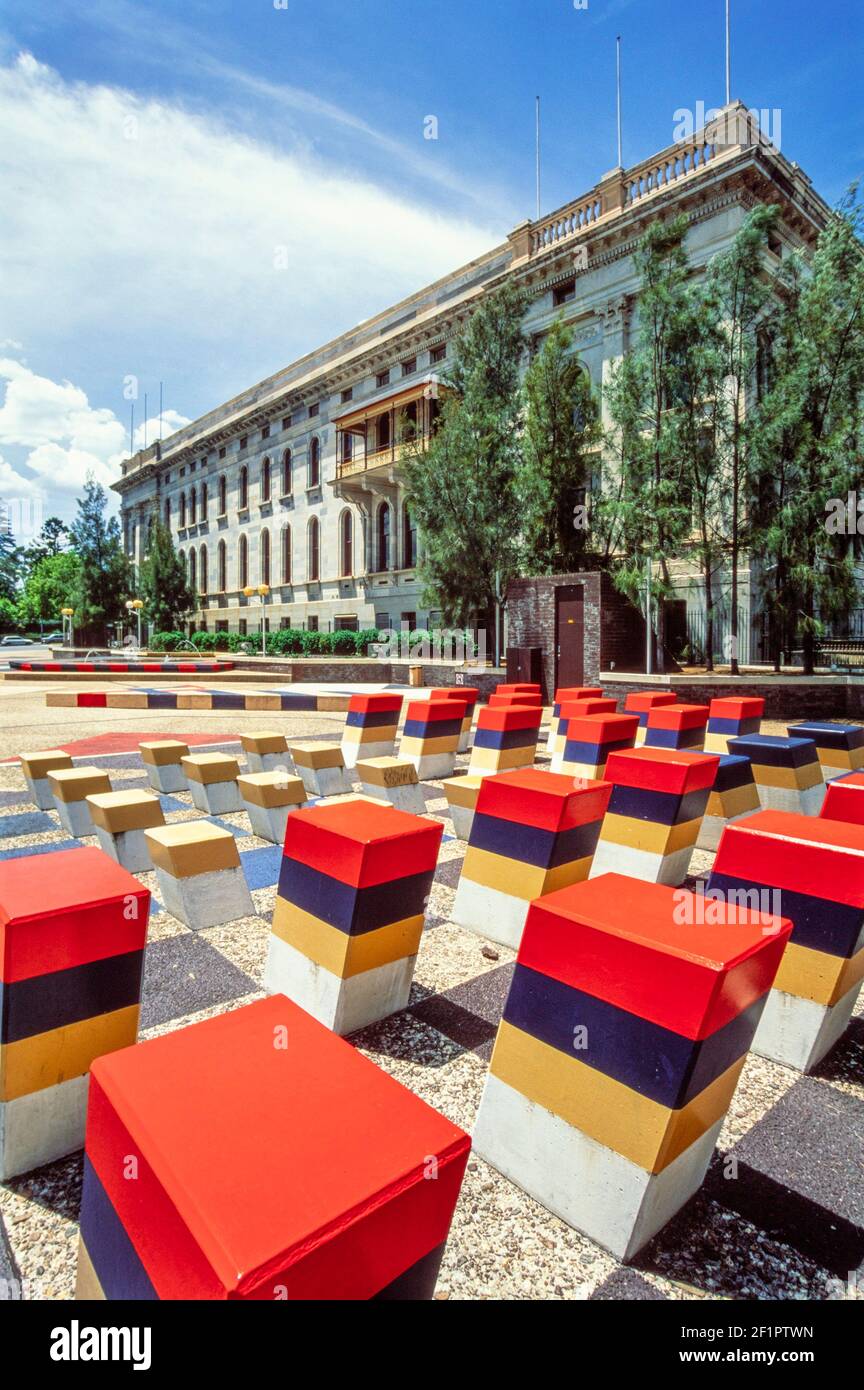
x: 48, y: 1059
x: 337, y: 951
x: 816, y: 975
x: 649, y: 835
x: 520, y: 880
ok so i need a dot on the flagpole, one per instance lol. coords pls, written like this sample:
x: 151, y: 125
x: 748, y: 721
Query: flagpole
x: 618, y: 95
x: 537, y: 109
x: 728, y: 60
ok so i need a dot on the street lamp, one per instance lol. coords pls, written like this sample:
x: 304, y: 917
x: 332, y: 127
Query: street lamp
x: 262, y: 591
x: 67, y: 615
x: 134, y: 605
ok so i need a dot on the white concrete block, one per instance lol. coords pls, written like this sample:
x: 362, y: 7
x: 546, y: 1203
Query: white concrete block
x: 462, y: 818
x: 432, y: 767
x: 216, y: 798
x: 671, y: 869
x: 127, y: 848
x: 345, y: 1005
x: 75, y: 818
x: 592, y: 1188
x: 40, y: 792
x: 206, y: 900
x: 269, y: 822
x: 167, y: 778
x: 270, y: 762
x: 799, y: 1032
x: 404, y: 798
x: 489, y: 912
x: 42, y: 1126
x: 356, y: 752
x: 325, y: 781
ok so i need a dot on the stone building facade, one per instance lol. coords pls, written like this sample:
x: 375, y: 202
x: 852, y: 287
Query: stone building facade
x: 297, y: 482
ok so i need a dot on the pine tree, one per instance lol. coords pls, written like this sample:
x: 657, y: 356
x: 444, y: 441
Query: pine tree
x: 561, y: 432
x: 462, y: 489
x: 52, y: 539
x: 106, y: 577
x: 10, y: 567
x: 162, y: 581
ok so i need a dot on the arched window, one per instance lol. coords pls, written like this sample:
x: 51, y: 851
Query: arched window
x: 409, y: 539
x: 286, y: 473
x: 383, y: 440
x: 313, y: 556
x: 243, y: 498
x: 182, y: 509
x: 223, y: 495
x: 265, y: 557
x: 314, y: 462
x: 203, y: 576
x: 168, y: 513
x: 346, y: 542
x: 193, y: 570
x: 205, y: 500
x: 222, y: 558
x: 384, y: 536
x: 286, y: 554
x: 243, y: 563
x: 193, y: 506
x: 265, y: 481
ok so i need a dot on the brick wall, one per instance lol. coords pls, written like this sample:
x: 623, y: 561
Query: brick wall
x: 786, y: 697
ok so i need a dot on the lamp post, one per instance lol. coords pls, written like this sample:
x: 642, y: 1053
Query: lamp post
x: 67, y: 615
x: 134, y: 605
x: 262, y: 591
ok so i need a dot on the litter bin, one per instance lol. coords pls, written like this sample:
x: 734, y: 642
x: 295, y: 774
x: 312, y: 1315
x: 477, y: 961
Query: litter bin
x: 415, y: 675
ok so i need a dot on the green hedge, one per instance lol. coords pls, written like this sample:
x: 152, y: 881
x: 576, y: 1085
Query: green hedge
x: 283, y: 642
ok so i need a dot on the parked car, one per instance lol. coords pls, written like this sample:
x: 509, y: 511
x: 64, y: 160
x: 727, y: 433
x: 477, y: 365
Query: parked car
x: 19, y: 642
x: 54, y: 637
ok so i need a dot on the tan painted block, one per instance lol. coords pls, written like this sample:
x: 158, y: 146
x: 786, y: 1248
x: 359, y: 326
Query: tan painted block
x: 271, y: 789
x: 192, y: 847
x: 267, y: 742
x: 161, y: 752
x: 208, y: 768
x: 119, y: 811
x: 125, y: 699
x: 333, y: 704
x: 57, y: 698
x: 387, y: 772
x: 38, y: 765
x: 77, y: 783
x: 317, y: 755
x: 194, y: 699
x: 266, y: 702
x: 463, y: 791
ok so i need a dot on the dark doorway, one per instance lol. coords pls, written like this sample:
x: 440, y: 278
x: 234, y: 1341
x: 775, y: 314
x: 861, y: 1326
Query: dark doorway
x: 675, y: 615
x: 569, y: 635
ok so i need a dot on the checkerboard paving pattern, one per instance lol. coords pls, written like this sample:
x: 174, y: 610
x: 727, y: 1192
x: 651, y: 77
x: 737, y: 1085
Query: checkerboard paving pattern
x: 781, y: 1214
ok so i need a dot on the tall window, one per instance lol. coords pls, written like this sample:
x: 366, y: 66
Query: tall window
x: 383, y: 428
x: 265, y: 481
x: 286, y: 473
x: 243, y: 499
x: 409, y: 539
x: 286, y: 554
x: 347, y: 542
x: 223, y: 567
x: 243, y: 562
x: 314, y: 462
x: 384, y: 537
x: 265, y: 557
x: 168, y: 513
x: 223, y: 494
x: 193, y: 506
x: 205, y: 501
x: 182, y: 509
x: 313, y: 560
x: 193, y: 570
x: 202, y: 569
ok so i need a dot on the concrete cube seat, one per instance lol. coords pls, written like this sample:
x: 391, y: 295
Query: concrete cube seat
x: 201, y: 881
x: 212, y: 781
x: 120, y: 819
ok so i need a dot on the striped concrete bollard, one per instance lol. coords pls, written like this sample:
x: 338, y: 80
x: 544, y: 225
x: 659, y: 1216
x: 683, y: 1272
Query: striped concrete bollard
x: 70, y: 787
x: 462, y: 793
x: 268, y: 798
x: 533, y: 832
x: 163, y: 763
x: 266, y: 752
x: 622, y: 1039
x: 430, y: 737
x: 120, y: 819
x: 370, y: 727
x: 504, y: 739
x: 238, y: 1129
x: 655, y: 812
x: 732, y: 718
x: 590, y: 739
x: 499, y: 701
x: 394, y: 781
x: 641, y: 702
x: 787, y: 772
x: 469, y: 694
x: 36, y: 767
x: 71, y: 961
x: 733, y: 795
x: 844, y: 798
x: 813, y: 870
x: 212, y: 781
x: 839, y: 746
x: 519, y: 688
x: 201, y: 881
x: 322, y: 768
x: 348, y: 920
x: 677, y: 727
x: 574, y: 709
x: 566, y: 693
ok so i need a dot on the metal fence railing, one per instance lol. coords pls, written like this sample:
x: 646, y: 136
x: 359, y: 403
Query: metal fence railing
x: 697, y: 635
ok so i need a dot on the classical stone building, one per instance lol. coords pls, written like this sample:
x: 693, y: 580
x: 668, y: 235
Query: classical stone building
x: 297, y: 481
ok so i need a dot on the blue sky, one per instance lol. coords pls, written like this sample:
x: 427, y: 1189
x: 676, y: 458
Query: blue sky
x: 160, y: 155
